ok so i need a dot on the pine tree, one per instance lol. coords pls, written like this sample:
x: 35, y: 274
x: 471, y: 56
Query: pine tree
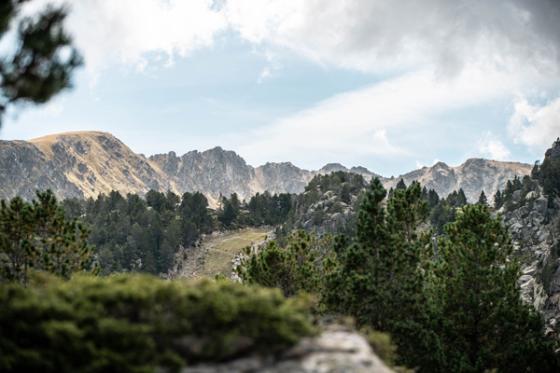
x: 35, y: 70
x: 433, y: 198
x: 229, y: 211
x: 195, y: 218
x: 375, y: 279
x: 406, y: 210
x: 484, y: 325
x: 535, y: 171
x: 297, y: 266
x: 37, y: 236
x: 498, y: 200
x: 461, y: 198
x: 482, y: 200
x: 371, y: 217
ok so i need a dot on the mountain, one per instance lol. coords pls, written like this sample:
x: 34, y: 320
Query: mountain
x: 85, y: 164
x: 217, y: 171
x: 473, y: 176
x: 75, y: 164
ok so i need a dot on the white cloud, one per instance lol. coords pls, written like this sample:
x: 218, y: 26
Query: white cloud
x: 373, y: 35
x: 535, y: 126
x: 491, y: 147
x: 127, y: 31
x: 491, y: 49
x: 365, y: 123
x: 368, y: 35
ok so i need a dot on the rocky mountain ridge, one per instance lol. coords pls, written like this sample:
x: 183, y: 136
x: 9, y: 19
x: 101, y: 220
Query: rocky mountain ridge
x: 85, y: 164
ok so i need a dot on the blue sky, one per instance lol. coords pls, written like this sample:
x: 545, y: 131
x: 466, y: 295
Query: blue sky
x: 362, y: 82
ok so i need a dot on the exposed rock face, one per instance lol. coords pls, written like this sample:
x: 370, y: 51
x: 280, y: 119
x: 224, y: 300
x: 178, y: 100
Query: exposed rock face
x: 85, y: 164
x: 334, y: 351
x: 362, y: 171
x: 213, y: 172
x: 534, y: 227
x: 473, y: 176
x: 328, y: 204
x: 76, y: 164
x: 534, y: 223
x: 24, y: 169
x: 282, y: 178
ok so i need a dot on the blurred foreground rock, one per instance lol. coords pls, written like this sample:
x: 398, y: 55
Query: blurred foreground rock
x: 336, y: 350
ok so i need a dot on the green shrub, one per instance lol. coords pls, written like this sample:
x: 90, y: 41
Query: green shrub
x: 135, y: 323
x: 382, y: 344
x: 296, y: 267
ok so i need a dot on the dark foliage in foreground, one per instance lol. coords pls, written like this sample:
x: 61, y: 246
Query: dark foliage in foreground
x: 136, y: 323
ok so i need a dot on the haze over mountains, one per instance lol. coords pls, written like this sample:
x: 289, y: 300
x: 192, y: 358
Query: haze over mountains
x: 85, y: 164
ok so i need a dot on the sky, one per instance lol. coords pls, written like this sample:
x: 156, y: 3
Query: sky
x: 389, y: 85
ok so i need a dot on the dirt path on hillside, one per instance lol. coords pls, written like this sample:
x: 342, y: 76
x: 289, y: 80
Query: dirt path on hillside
x: 215, y: 254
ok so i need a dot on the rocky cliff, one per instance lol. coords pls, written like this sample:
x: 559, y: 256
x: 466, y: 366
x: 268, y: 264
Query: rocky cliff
x: 533, y: 218
x: 85, y: 164
x: 534, y: 226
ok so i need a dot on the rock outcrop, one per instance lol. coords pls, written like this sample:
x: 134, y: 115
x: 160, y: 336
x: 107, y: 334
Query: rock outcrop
x: 533, y: 218
x: 534, y: 230
x: 85, y: 164
x: 335, y: 350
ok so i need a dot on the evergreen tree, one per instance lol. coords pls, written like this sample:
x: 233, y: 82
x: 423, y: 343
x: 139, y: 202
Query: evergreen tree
x: 498, y: 200
x: 484, y: 324
x: 37, y: 236
x: 406, y: 210
x: 400, y: 185
x: 371, y: 229
x: 482, y: 200
x: 517, y: 184
x: 297, y: 266
x: 535, y: 171
x: 441, y: 214
x: 433, y: 198
x: 230, y: 211
x: 136, y: 234
x: 156, y: 200
x: 195, y: 217
x: 38, y: 67
x: 375, y: 277
x: 461, y: 198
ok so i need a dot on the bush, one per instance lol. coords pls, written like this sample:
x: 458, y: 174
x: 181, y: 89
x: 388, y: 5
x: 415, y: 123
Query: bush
x: 135, y: 323
x: 296, y: 267
x: 382, y: 344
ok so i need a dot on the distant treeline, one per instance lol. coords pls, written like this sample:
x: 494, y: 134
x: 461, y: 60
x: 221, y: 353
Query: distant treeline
x: 144, y: 233
x: 131, y: 233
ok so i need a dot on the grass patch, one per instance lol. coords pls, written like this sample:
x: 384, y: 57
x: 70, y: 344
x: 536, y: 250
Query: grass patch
x: 219, y: 251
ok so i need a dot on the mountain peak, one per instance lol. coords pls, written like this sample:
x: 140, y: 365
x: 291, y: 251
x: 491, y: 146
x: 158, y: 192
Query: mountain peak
x: 333, y: 167
x: 82, y: 134
x: 440, y: 164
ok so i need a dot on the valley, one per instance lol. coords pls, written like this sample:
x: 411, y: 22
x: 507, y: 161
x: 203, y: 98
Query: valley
x: 269, y: 186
